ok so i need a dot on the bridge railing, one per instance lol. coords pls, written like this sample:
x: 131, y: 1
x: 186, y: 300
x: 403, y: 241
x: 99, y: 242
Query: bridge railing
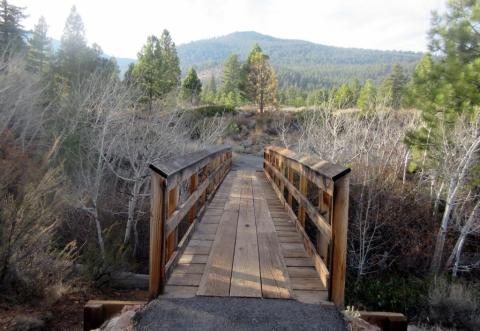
x: 315, y: 193
x: 180, y: 189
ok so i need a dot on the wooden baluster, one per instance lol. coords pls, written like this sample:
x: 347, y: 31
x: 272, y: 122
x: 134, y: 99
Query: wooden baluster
x: 193, y: 186
x: 173, y: 237
x: 157, y: 236
x: 303, y: 191
x: 290, y: 179
x: 322, y: 242
x: 339, y: 241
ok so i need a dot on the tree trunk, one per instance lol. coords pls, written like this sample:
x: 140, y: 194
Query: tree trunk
x: 457, y: 250
x: 98, y: 226
x: 132, y: 206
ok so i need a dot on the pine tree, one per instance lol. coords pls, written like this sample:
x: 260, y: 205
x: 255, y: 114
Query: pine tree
x: 191, y: 87
x: 366, y: 100
x: 11, y: 29
x: 39, y: 48
x: 343, y: 96
x: 393, y: 87
x: 231, y: 80
x: 261, y: 82
x: 209, y: 91
x: 170, y: 63
x: 148, y: 71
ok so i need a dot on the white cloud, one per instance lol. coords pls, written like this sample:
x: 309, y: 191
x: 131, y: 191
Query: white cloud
x: 121, y: 27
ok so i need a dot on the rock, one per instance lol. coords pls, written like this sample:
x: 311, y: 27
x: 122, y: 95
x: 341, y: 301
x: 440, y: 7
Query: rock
x: 362, y: 325
x: 27, y: 323
x: 124, y: 321
x: 251, y: 125
x: 247, y: 142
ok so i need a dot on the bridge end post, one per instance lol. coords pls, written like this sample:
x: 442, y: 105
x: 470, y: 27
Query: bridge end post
x: 339, y: 240
x: 157, y: 233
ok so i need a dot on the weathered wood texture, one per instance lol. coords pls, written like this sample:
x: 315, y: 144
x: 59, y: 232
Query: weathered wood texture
x: 166, y: 245
x: 317, y: 204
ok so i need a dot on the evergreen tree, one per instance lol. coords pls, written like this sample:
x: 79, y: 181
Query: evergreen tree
x: 39, y: 48
x: 11, y: 29
x: 343, y: 97
x: 157, y: 71
x: 366, y: 100
x: 394, y: 87
x: 170, y: 63
x: 209, y: 91
x: 261, y: 83
x: 231, y: 80
x: 148, y: 71
x: 444, y: 89
x: 191, y: 87
x: 75, y: 61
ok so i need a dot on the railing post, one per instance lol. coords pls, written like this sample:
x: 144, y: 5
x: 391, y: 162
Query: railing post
x: 193, y: 186
x: 157, y: 236
x: 290, y: 179
x: 303, y: 190
x: 339, y: 240
x: 172, y: 239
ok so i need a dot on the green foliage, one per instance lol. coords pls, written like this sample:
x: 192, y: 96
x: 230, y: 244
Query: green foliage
x: 157, y: 71
x: 367, y: 97
x: 191, y: 87
x: 75, y: 60
x: 260, y: 79
x: 405, y: 295
x: 209, y: 92
x: 232, y: 129
x: 393, y: 88
x: 298, y: 63
x: 446, y: 87
x: 230, y: 92
x: 39, y: 48
x: 11, y: 28
x: 214, y: 110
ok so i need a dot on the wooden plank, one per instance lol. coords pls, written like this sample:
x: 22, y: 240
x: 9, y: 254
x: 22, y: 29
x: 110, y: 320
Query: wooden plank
x: 206, y: 228
x: 307, y: 284
x: 274, y: 277
x: 295, y: 239
x: 201, y: 243
x: 303, y: 272
x: 189, y: 259
x: 316, y: 218
x: 216, y: 278
x: 299, y: 262
x: 245, y: 280
x: 294, y: 253
x: 197, y: 250
x: 175, y: 291
x: 184, y: 279
x: 190, y: 268
x: 204, y: 236
x: 312, y: 297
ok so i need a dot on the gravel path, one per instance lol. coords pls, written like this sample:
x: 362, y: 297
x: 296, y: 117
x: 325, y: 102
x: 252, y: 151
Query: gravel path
x: 208, y: 313
x: 243, y: 161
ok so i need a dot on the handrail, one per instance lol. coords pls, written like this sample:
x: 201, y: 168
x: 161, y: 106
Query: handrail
x: 172, y: 223
x: 315, y: 193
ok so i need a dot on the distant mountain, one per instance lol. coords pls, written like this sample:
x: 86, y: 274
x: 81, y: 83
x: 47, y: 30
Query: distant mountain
x: 300, y: 63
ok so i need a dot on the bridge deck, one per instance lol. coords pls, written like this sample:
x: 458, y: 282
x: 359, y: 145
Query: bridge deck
x: 246, y: 245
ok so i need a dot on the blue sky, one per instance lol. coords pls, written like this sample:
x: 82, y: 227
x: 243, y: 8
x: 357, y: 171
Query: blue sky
x: 121, y: 27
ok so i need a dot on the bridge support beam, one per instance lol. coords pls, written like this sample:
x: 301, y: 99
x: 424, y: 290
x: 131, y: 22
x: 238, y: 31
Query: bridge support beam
x: 339, y: 240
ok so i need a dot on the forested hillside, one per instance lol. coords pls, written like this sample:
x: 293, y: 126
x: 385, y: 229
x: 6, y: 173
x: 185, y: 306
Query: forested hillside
x: 297, y: 62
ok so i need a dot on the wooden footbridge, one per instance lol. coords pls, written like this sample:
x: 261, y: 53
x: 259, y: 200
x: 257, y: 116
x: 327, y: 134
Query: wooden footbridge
x: 277, y: 233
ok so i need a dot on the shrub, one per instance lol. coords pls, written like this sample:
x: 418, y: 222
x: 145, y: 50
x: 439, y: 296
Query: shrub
x: 212, y: 110
x: 453, y: 305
